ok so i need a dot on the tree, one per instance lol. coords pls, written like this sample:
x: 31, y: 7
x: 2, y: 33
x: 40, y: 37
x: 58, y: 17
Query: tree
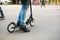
x: 15, y: 1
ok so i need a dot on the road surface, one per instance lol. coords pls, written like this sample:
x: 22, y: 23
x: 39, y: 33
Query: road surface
x: 47, y: 23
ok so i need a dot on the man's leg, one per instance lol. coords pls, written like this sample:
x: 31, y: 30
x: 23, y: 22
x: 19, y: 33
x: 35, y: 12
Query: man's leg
x: 2, y: 15
x: 22, y: 18
x: 23, y: 10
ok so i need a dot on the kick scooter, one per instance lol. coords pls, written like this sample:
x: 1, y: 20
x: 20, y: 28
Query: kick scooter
x: 12, y: 26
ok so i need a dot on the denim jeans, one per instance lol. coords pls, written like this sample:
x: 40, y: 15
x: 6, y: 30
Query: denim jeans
x: 22, y: 13
x: 1, y: 12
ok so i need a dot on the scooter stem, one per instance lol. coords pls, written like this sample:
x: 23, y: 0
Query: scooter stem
x: 30, y: 9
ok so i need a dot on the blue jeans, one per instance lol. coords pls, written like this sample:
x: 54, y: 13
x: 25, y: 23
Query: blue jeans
x: 1, y: 12
x: 22, y: 13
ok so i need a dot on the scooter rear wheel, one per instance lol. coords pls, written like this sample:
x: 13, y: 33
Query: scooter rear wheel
x: 11, y: 27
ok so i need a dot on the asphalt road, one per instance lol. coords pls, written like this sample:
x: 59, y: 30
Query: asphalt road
x: 47, y: 23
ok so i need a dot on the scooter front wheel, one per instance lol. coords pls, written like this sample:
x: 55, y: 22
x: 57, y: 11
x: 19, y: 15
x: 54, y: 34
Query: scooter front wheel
x: 32, y: 22
x: 11, y: 27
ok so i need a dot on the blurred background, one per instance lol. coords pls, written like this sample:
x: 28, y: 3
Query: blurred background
x: 17, y: 2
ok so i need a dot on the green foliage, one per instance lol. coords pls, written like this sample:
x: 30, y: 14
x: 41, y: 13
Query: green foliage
x: 9, y: 3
